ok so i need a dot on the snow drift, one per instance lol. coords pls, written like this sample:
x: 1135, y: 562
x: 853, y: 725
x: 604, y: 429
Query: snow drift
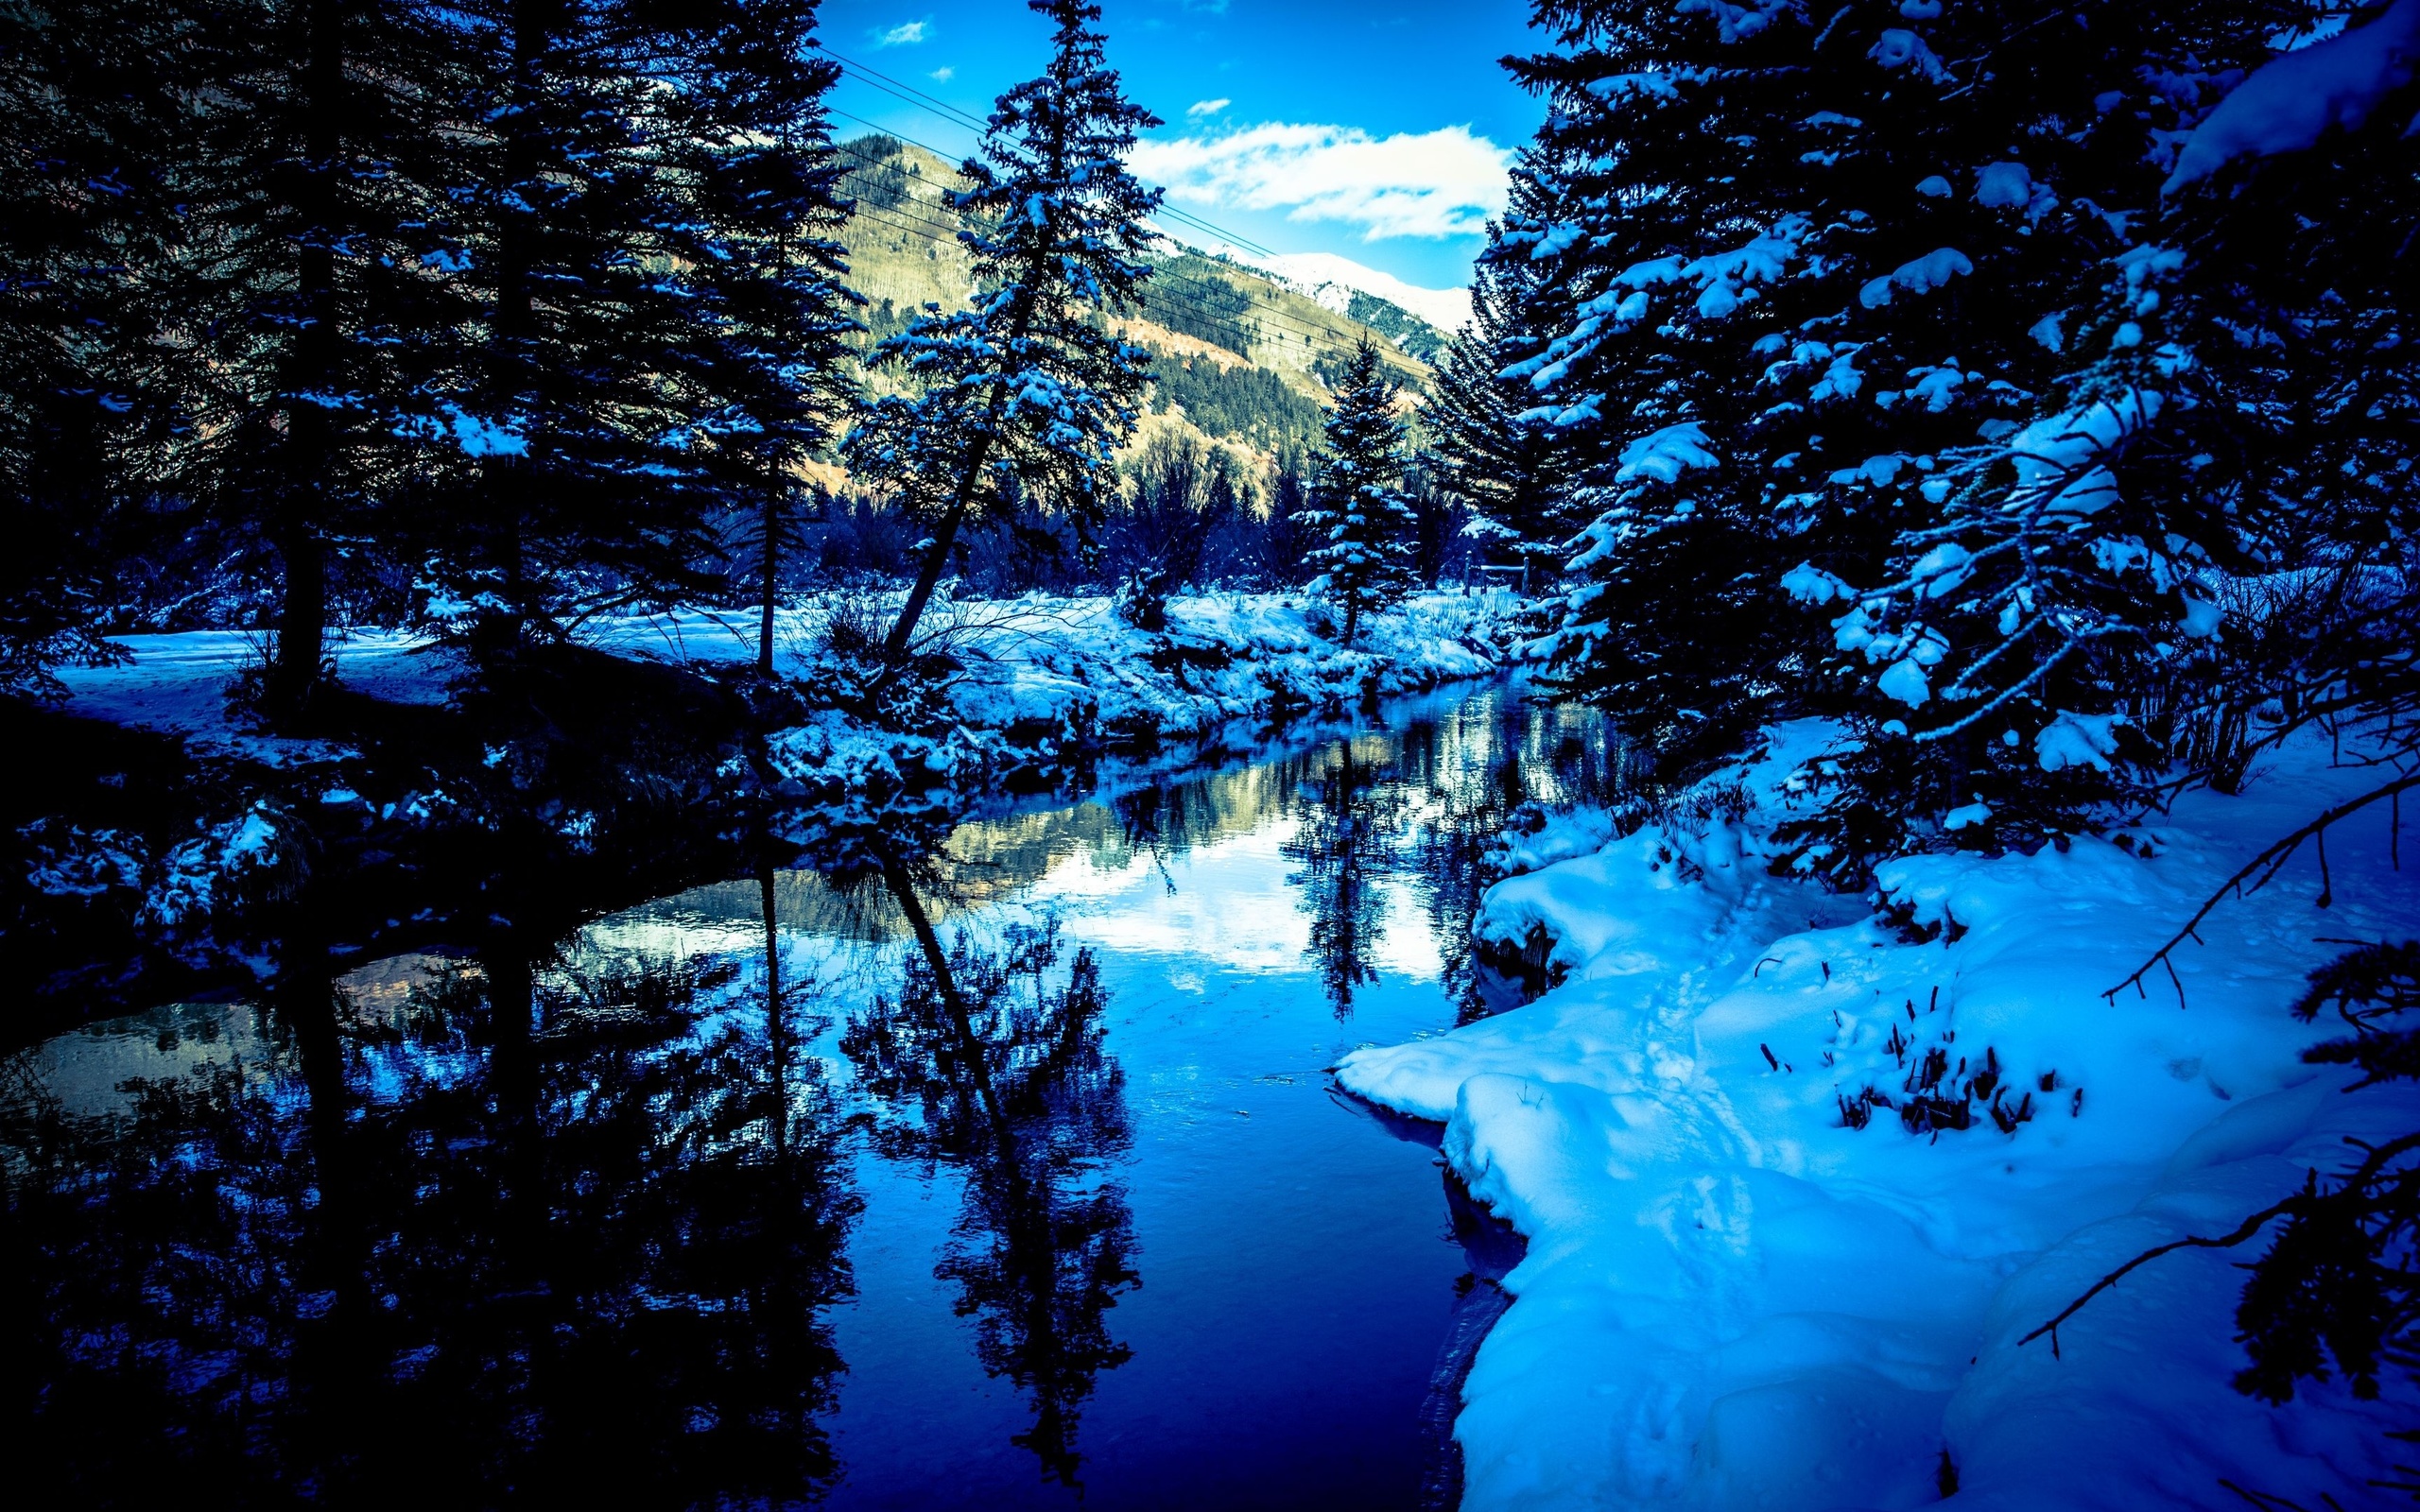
x: 1798, y: 1176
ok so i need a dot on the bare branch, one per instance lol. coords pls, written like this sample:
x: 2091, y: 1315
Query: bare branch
x: 2375, y: 1160
x: 2274, y: 857
x: 2246, y: 1230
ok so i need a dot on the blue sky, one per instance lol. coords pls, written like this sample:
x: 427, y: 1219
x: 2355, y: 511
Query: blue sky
x: 1376, y: 132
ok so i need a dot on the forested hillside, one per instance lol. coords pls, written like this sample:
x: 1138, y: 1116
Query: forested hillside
x: 1240, y: 357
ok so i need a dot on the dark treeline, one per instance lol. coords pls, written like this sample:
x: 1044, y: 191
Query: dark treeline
x: 492, y: 318
x: 490, y: 314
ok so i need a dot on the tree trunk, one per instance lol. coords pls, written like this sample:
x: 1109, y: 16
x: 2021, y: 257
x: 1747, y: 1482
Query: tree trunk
x: 919, y: 923
x: 302, y: 599
x: 505, y: 481
x: 772, y: 572
x: 302, y: 602
x: 928, y: 577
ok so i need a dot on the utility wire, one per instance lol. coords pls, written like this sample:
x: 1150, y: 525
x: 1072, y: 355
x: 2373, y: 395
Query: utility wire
x: 901, y: 221
x: 912, y: 96
x: 1269, y: 313
x: 1183, y: 220
x: 939, y: 107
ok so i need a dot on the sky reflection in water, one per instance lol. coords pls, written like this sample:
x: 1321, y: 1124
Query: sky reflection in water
x: 1018, y: 1175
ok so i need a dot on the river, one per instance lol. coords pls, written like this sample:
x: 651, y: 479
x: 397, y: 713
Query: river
x: 1009, y: 1175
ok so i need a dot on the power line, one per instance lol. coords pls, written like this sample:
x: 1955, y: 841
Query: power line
x: 1182, y: 218
x: 1266, y: 313
x: 912, y: 96
x: 917, y: 99
x: 1269, y: 313
x: 938, y: 106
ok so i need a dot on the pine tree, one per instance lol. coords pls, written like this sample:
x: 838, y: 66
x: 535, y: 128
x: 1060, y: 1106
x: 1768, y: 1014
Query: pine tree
x: 2224, y: 497
x: 1356, y: 512
x: 1484, y: 442
x: 1801, y: 260
x: 1348, y: 819
x: 312, y: 283
x: 2049, y: 586
x: 1027, y: 391
x: 577, y: 482
x: 761, y: 195
x: 95, y: 125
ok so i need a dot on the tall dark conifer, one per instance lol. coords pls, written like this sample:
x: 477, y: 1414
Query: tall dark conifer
x: 1027, y: 391
x: 759, y: 185
x: 579, y: 482
x: 96, y: 123
x: 1801, y: 259
x: 1487, y: 440
x: 311, y: 284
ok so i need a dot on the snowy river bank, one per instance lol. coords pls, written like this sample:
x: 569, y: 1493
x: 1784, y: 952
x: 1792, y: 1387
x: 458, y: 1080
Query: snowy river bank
x: 1797, y: 1180
x: 163, y: 833
x: 1787, y: 1178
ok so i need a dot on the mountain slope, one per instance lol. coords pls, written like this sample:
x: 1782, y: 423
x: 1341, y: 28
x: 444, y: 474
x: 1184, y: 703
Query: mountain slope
x: 1241, y: 356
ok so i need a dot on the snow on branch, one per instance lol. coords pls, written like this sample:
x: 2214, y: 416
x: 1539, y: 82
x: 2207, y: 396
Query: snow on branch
x: 2290, y: 102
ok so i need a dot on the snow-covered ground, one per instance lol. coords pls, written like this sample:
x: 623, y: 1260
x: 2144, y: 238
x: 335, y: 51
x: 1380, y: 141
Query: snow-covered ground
x: 1071, y: 664
x: 1731, y: 1299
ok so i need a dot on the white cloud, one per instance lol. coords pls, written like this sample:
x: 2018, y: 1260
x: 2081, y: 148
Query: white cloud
x: 1202, y: 107
x: 905, y: 34
x: 943, y: 75
x: 1445, y: 182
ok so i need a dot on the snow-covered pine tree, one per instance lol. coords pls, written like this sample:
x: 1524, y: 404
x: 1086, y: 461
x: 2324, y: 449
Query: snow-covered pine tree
x: 1873, y: 220
x: 1671, y: 195
x: 1515, y: 472
x: 2291, y: 222
x: 762, y: 208
x: 1028, y: 391
x: 2284, y: 274
x: 2032, y: 596
x: 312, y: 287
x: 94, y: 128
x: 574, y: 482
x: 1356, y: 513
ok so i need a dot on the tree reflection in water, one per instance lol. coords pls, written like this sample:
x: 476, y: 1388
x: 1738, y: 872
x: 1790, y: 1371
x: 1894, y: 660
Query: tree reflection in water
x: 989, y: 1064
x: 1493, y: 765
x: 1349, y: 811
x: 548, y: 1226
x: 533, y: 1235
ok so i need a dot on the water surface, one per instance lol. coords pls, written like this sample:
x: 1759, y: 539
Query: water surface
x: 1009, y: 1175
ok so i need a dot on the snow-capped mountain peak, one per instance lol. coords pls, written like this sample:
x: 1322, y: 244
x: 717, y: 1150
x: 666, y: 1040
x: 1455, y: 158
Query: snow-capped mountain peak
x: 1332, y: 280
